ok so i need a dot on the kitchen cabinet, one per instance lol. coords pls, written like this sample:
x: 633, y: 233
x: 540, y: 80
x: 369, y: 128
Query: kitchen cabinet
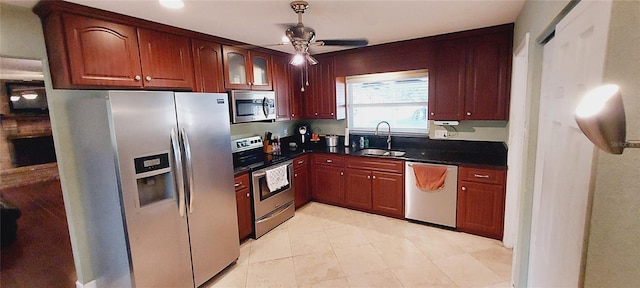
x: 470, y: 79
x: 328, y: 179
x: 375, y: 185
x: 325, y: 97
x: 246, y: 69
x: 243, y: 205
x: 481, y: 201
x: 92, y: 53
x: 207, y: 65
x: 301, y: 177
x: 288, y: 102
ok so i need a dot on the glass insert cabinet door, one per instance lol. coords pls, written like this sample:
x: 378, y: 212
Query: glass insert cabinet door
x: 237, y: 69
x: 260, y: 71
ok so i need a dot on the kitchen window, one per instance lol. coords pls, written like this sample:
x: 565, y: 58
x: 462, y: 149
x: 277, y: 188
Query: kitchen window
x: 400, y: 98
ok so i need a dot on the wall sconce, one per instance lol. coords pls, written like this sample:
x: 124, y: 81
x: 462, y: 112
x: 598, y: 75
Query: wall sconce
x: 600, y: 116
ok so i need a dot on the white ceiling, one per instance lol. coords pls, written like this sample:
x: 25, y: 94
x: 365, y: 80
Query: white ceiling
x: 256, y: 21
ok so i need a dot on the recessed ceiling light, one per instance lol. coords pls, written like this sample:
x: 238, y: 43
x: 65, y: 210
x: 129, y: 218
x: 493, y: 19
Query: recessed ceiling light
x: 14, y: 98
x: 175, y: 4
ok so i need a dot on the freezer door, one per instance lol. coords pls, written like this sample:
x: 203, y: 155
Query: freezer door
x: 203, y: 119
x: 157, y: 234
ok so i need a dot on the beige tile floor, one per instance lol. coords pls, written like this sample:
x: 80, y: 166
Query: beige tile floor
x: 327, y: 246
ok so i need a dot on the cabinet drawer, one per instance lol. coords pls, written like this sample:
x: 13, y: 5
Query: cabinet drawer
x: 328, y: 159
x: 241, y: 182
x: 480, y: 175
x: 300, y: 161
x: 370, y: 163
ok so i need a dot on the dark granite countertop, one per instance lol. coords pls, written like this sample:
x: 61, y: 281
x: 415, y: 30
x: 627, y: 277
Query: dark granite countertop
x: 451, y: 152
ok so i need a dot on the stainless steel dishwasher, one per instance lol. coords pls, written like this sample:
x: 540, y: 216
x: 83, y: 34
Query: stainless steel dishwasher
x: 437, y: 206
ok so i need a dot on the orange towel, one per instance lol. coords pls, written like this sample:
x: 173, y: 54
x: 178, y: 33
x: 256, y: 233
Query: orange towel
x: 429, y: 177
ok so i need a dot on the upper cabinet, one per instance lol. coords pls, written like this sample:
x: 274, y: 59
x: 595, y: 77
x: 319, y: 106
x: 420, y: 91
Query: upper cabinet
x: 325, y: 96
x: 245, y: 69
x: 207, y: 65
x: 92, y: 53
x: 288, y: 102
x: 470, y: 77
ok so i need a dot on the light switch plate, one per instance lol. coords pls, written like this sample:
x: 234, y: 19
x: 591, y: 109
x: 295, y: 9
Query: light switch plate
x: 440, y: 134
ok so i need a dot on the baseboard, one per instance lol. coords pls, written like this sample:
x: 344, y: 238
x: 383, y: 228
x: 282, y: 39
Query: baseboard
x: 91, y: 284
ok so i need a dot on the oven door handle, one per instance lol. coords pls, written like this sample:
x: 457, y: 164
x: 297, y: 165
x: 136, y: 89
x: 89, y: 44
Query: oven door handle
x: 261, y: 174
x: 279, y: 209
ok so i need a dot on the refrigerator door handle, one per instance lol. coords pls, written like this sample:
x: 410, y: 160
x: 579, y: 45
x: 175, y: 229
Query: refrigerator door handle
x: 188, y: 167
x: 179, y: 178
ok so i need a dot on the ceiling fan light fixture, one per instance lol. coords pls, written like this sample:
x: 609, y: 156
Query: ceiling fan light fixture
x: 173, y: 4
x: 285, y: 39
x: 297, y: 59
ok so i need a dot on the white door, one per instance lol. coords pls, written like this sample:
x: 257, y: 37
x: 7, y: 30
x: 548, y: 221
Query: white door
x: 573, y: 64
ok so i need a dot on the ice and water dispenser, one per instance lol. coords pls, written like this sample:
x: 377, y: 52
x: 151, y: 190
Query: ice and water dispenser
x: 153, y: 177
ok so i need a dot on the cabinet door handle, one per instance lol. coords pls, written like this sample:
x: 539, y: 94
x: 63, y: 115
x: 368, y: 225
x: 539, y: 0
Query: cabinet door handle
x: 237, y: 184
x: 331, y: 113
x: 137, y: 78
x: 468, y: 113
x: 464, y: 188
x: 432, y: 113
x: 148, y: 78
x: 301, y: 162
x: 480, y: 176
x: 293, y: 115
x: 295, y: 175
x: 374, y: 177
x: 368, y: 177
x: 248, y: 195
x: 341, y: 173
x: 316, y: 113
x: 329, y: 161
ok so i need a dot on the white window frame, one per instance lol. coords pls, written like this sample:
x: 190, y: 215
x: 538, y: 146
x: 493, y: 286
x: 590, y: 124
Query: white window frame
x: 389, y: 76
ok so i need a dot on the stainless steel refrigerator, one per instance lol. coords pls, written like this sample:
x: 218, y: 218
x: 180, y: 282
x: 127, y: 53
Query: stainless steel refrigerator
x: 174, y: 180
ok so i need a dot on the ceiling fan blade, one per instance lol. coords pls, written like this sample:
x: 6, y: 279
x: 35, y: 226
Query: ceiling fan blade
x: 344, y: 42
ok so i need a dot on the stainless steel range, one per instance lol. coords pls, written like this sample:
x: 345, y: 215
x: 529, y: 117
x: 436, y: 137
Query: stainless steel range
x: 272, y: 205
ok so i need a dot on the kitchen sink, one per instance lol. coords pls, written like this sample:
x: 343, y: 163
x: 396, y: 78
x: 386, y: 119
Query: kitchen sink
x: 381, y: 152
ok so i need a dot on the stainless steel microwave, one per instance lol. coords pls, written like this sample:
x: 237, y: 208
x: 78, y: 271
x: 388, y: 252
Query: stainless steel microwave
x: 249, y: 106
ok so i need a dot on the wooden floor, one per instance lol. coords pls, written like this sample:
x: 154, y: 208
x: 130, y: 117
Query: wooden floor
x: 41, y: 255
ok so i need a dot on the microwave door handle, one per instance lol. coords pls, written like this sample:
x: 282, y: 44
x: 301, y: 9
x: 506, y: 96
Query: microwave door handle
x: 265, y: 107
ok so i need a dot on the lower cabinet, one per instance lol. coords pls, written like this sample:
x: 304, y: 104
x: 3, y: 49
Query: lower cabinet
x: 481, y: 198
x: 302, y: 191
x: 387, y: 193
x: 243, y: 204
x: 375, y: 185
x: 328, y: 179
x: 361, y: 183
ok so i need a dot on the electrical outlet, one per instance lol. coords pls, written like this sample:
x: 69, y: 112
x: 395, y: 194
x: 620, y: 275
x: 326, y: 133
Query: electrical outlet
x: 440, y: 134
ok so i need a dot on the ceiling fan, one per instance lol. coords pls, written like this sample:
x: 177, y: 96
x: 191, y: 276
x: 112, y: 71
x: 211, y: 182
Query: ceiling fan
x: 302, y: 37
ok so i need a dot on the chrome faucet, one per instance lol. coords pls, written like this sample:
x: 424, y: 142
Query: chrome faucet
x: 388, y: 135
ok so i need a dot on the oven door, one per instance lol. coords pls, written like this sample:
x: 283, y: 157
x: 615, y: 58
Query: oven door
x: 264, y: 200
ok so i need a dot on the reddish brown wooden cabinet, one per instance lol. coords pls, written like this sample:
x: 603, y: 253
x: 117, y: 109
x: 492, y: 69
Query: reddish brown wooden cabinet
x: 301, y: 178
x: 166, y: 60
x: 243, y: 205
x: 207, y: 65
x: 470, y: 79
x: 328, y: 179
x: 91, y: 53
x: 246, y: 69
x: 358, y: 189
x: 324, y: 98
x: 288, y: 100
x: 481, y: 198
x: 375, y: 185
